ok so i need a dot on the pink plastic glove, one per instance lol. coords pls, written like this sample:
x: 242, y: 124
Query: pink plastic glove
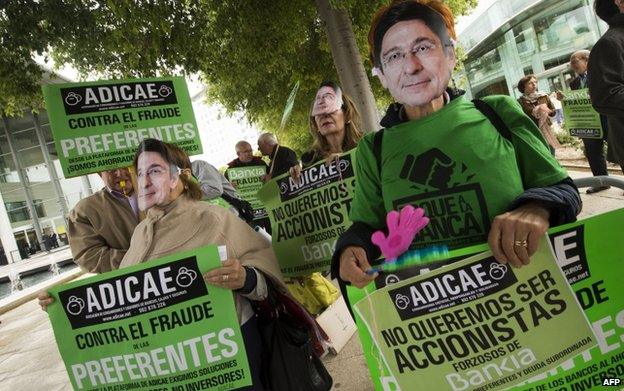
x: 401, y: 231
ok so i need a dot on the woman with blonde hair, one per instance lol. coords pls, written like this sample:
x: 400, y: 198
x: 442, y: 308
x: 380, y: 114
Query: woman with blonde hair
x: 334, y: 123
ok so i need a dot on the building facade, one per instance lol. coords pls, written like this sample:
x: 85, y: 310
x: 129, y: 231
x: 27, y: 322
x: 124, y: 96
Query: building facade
x: 514, y: 38
x: 34, y: 197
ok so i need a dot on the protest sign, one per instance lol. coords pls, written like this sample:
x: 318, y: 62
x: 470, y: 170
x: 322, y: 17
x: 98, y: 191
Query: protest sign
x: 308, y: 216
x: 155, y: 325
x: 594, y: 240
x: 580, y: 117
x: 248, y: 180
x: 590, y: 254
x: 97, y: 126
x: 476, y: 324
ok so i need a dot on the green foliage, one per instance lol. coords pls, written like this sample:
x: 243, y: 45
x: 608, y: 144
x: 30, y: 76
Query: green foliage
x: 250, y: 54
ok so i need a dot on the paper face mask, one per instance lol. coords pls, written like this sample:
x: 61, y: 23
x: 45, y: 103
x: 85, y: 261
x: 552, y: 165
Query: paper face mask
x: 327, y: 101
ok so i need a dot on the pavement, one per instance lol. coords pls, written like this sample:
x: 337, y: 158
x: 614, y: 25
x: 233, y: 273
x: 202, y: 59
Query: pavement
x: 29, y: 358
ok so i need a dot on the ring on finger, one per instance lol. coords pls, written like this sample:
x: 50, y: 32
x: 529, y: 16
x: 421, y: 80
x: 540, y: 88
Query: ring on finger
x: 225, y: 277
x: 521, y: 243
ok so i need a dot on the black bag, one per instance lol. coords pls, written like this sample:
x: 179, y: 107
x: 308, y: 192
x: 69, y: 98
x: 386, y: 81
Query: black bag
x: 244, y: 208
x: 288, y: 362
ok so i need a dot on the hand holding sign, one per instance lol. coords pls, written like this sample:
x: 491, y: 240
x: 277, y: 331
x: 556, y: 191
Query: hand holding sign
x: 402, y: 227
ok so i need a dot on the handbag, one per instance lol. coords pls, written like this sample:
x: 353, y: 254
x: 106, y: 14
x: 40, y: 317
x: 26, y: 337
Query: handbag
x: 313, y: 291
x: 289, y: 361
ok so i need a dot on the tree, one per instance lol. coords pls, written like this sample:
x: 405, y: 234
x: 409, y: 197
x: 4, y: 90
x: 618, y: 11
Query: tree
x: 248, y: 53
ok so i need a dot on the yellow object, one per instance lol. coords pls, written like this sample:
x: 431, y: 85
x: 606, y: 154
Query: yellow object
x: 122, y: 183
x: 313, y: 291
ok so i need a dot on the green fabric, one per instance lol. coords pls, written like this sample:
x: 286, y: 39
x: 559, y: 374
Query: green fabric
x: 455, y: 165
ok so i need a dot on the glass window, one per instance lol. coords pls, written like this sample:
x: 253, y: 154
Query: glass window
x: 18, y: 211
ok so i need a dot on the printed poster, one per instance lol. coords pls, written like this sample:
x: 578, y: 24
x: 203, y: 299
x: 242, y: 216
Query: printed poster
x: 476, y: 324
x: 98, y: 125
x: 308, y: 216
x: 248, y: 180
x: 589, y: 251
x: 155, y: 325
x: 580, y: 117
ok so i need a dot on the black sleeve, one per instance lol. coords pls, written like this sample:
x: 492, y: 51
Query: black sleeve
x: 291, y: 158
x: 359, y: 234
x: 562, y: 200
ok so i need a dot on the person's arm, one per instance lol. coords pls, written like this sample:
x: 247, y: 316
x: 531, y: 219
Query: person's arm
x: 291, y: 158
x: 605, y: 77
x: 550, y: 197
x: 245, y: 248
x: 551, y: 106
x: 89, y: 250
x: 526, y: 107
x: 354, y: 250
x: 209, y: 179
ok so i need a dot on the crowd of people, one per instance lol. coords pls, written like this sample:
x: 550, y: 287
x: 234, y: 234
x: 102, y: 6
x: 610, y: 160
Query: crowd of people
x: 430, y: 133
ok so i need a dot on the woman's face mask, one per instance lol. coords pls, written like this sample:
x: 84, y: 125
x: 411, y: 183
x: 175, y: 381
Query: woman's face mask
x: 156, y: 181
x: 327, y: 101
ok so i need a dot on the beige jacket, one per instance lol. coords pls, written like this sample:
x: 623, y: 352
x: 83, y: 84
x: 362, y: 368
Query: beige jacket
x: 99, y: 230
x: 187, y: 224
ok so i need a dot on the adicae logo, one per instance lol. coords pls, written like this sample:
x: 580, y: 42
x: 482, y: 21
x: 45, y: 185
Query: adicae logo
x: 401, y: 301
x: 343, y: 165
x: 75, y: 305
x: 185, y: 277
x: 497, y: 271
x: 164, y: 91
x: 73, y: 99
x: 283, y: 188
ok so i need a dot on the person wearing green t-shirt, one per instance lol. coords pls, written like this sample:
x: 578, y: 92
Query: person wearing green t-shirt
x: 440, y: 152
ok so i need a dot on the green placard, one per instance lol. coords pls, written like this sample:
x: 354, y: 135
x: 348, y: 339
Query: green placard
x: 97, y: 126
x: 593, y: 245
x: 308, y: 216
x: 248, y: 180
x: 155, y: 325
x: 477, y: 323
x: 580, y: 117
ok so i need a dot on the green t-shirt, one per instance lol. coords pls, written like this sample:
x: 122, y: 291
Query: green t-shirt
x: 455, y: 165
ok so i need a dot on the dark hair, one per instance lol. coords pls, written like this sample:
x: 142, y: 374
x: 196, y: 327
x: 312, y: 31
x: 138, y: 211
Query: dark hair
x: 523, y: 82
x: 606, y: 9
x: 176, y: 157
x: 434, y: 14
x: 353, y: 123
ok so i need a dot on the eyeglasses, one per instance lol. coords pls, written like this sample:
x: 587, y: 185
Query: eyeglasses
x: 422, y: 50
x: 152, y: 173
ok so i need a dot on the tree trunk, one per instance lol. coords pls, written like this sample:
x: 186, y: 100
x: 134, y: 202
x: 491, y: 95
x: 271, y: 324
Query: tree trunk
x: 348, y: 62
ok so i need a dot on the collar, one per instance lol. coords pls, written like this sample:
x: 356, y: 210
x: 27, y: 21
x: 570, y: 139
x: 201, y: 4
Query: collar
x: 157, y: 212
x: 395, y: 114
x: 131, y: 199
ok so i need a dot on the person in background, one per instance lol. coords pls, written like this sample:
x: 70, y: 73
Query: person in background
x: 282, y: 158
x: 100, y: 226
x: 245, y: 157
x: 214, y: 185
x: 605, y: 77
x: 436, y: 143
x: 539, y: 108
x: 594, y: 148
x: 335, y: 127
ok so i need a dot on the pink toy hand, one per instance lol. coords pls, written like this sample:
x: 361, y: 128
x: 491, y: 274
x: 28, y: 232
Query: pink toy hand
x: 401, y: 231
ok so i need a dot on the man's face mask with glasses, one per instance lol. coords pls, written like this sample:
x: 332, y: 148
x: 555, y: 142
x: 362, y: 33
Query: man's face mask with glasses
x: 157, y: 180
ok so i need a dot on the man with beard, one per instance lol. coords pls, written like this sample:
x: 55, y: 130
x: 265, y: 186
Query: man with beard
x: 101, y: 225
